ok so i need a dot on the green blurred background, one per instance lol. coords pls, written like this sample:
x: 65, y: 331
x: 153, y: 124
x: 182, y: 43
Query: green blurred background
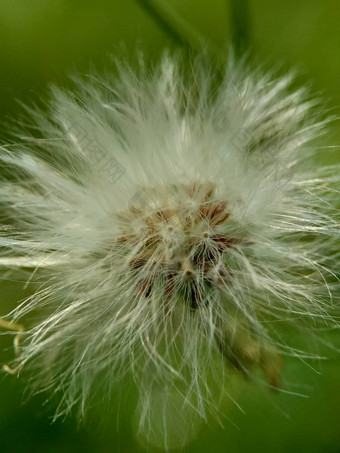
x: 42, y: 42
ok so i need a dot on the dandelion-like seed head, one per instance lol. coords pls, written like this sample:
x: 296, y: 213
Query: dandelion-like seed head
x: 176, y: 222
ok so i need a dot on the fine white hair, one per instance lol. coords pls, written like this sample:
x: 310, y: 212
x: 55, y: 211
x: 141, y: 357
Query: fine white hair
x: 176, y: 220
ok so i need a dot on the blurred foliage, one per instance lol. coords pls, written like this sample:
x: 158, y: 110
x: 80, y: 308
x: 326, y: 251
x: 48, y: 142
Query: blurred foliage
x: 42, y: 42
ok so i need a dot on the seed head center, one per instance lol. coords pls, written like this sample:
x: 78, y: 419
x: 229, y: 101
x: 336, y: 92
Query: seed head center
x: 176, y: 235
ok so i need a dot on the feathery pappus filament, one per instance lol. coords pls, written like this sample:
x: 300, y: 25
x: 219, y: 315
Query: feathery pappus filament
x: 176, y: 221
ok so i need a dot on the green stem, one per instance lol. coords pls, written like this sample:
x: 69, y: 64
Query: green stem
x: 240, y: 25
x: 173, y: 24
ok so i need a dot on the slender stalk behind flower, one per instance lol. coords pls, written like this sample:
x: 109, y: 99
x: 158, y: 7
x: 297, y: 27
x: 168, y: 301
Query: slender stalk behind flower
x: 177, y: 223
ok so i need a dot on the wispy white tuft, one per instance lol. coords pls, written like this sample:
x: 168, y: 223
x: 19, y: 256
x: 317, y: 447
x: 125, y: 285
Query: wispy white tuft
x: 177, y: 220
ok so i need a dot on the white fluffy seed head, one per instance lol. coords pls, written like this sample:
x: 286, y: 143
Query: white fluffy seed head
x: 176, y: 220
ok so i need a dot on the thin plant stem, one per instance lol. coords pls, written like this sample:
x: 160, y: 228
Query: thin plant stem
x: 9, y: 325
x: 240, y: 25
x: 177, y: 28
